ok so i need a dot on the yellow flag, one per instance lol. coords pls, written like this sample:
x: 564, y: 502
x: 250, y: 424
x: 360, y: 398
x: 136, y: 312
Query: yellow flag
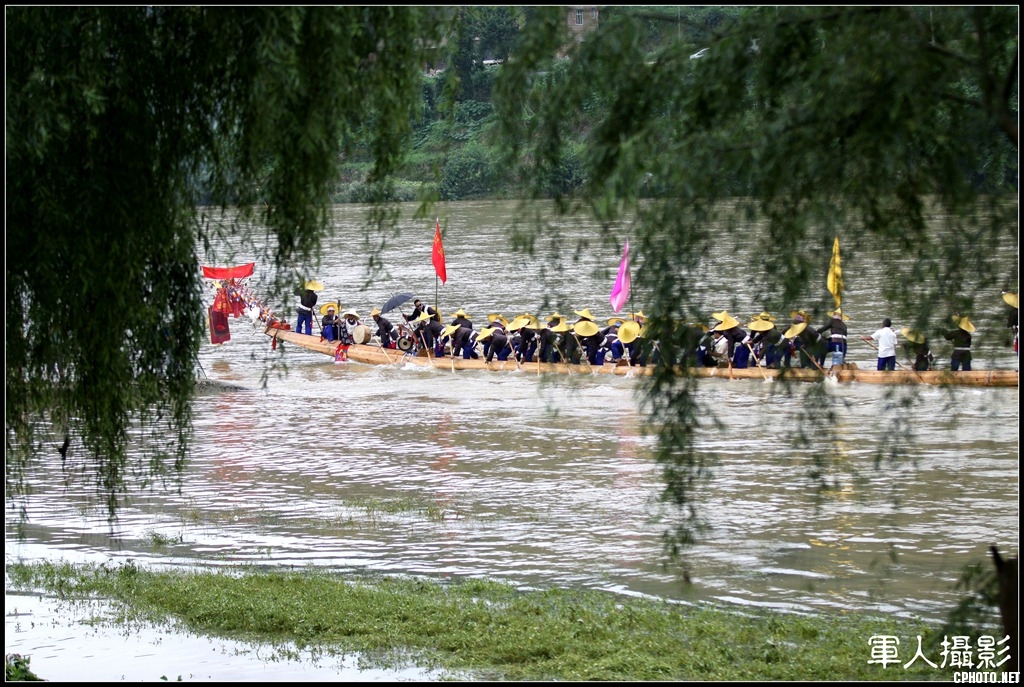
x: 835, y: 274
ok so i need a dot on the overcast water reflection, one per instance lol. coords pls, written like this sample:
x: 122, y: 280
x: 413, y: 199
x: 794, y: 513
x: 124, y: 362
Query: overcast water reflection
x: 537, y: 481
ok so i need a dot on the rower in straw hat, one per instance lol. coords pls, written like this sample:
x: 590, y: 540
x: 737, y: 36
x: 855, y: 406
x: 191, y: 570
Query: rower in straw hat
x: 917, y: 344
x: 961, y: 340
x: 1012, y: 318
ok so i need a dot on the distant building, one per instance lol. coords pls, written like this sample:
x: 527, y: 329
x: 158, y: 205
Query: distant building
x: 582, y: 19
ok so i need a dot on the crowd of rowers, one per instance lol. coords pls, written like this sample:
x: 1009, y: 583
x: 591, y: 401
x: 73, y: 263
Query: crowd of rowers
x: 723, y: 343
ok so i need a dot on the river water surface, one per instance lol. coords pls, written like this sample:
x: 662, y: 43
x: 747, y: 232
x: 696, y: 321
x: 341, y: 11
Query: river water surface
x: 534, y: 480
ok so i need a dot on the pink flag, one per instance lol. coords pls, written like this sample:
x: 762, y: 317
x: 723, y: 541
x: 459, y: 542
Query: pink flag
x: 620, y: 292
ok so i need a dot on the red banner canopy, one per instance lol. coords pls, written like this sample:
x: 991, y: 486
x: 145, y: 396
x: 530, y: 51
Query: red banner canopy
x: 239, y: 272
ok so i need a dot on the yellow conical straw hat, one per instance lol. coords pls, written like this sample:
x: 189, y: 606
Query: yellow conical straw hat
x: 629, y: 331
x: 912, y: 336
x: 795, y: 330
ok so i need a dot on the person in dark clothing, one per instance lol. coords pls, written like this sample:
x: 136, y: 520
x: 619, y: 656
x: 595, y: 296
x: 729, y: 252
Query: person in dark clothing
x: 768, y: 337
x: 552, y: 340
x: 589, y: 335
x: 418, y: 309
x: 494, y: 321
x: 548, y: 339
x: 385, y: 330
x: 805, y: 341
x: 836, y: 342
x: 462, y: 319
x: 463, y: 340
x: 611, y: 344
x: 704, y: 348
x: 1012, y: 318
x: 961, y: 339
x: 638, y: 348
x: 429, y: 332
x: 525, y: 342
x: 690, y: 344
x: 307, y: 299
x: 496, y: 342
x: 329, y: 325
x: 916, y: 346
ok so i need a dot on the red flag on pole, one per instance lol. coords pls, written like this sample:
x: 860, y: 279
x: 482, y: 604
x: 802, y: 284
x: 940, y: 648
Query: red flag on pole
x: 438, y: 254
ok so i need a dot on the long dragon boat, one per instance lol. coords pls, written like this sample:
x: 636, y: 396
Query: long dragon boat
x: 371, y: 353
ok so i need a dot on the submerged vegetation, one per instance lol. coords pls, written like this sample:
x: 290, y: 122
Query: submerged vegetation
x: 476, y: 629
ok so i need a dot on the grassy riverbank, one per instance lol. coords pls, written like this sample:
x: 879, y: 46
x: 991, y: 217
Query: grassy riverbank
x: 477, y: 630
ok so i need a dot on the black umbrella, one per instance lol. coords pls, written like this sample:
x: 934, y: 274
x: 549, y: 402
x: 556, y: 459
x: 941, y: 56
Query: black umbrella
x: 396, y: 301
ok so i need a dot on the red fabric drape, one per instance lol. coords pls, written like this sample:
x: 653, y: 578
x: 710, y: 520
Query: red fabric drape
x: 238, y: 272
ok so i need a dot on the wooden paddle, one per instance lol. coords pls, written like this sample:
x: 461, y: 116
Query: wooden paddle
x: 813, y: 360
x: 757, y: 362
x: 426, y: 348
x: 383, y: 348
x: 560, y: 355
x: 583, y: 352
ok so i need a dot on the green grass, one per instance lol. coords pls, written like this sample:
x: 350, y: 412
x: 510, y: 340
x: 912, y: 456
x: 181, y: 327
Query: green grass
x: 486, y: 630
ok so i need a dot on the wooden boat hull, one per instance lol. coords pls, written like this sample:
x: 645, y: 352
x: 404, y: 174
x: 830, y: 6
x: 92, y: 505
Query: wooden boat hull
x: 373, y: 354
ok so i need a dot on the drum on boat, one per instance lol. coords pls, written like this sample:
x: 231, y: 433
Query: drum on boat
x: 361, y: 334
x: 404, y: 343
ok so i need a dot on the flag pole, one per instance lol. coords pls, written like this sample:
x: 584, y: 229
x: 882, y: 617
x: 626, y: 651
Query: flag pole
x: 437, y: 277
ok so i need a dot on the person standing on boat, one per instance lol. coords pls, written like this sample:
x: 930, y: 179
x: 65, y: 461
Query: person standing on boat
x: 462, y: 319
x: 385, y: 330
x: 1012, y: 318
x: 329, y: 325
x: 837, y: 339
x: 886, y: 339
x: 961, y: 339
x: 307, y: 299
x: 419, y: 309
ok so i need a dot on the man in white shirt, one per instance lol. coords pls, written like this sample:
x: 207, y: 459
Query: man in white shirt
x: 886, y: 339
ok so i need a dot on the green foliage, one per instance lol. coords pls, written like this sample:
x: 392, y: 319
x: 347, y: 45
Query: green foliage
x: 861, y: 122
x: 867, y: 123
x: 477, y: 629
x: 120, y: 120
x: 16, y: 669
